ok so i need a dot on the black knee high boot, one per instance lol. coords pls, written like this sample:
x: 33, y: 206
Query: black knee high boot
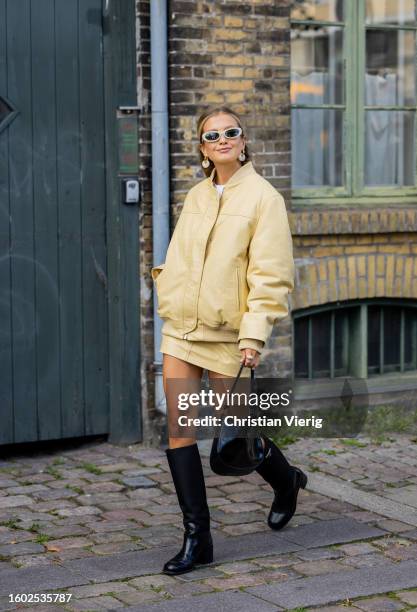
x: 286, y: 481
x: 188, y: 477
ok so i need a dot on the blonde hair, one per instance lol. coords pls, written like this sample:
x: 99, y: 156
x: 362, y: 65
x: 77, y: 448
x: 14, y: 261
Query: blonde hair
x: 211, y: 113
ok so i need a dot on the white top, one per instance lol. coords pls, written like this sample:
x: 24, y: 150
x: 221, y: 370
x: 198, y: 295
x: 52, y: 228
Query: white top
x: 219, y: 188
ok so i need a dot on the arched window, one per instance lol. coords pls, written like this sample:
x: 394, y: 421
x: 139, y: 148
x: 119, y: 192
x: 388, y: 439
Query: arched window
x: 361, y: 339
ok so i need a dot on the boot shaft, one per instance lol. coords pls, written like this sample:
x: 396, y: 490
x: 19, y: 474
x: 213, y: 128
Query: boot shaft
x: 275, y: 469
x: 188, y: 477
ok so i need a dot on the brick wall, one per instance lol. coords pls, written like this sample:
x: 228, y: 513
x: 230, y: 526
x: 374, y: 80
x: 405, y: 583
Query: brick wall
x: 234, y: 53
x: 354, y: 254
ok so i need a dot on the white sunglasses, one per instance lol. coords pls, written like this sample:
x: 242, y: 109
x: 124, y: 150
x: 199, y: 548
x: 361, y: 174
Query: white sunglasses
x: 214, y: 135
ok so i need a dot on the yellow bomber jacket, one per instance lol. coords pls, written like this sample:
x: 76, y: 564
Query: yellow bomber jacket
x: 229, y: 266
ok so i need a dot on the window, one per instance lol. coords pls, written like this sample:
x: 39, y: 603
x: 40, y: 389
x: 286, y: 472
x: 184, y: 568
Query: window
x: 355, y: 339
x: 353, y: 98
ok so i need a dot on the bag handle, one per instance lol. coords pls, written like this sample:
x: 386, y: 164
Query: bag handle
x: 252, y: 375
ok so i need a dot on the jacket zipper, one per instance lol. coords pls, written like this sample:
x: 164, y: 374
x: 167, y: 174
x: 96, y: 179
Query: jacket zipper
x: 238, y: 289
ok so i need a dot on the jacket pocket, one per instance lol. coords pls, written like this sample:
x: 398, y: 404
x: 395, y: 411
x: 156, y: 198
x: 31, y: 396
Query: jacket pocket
x: 169, y: 293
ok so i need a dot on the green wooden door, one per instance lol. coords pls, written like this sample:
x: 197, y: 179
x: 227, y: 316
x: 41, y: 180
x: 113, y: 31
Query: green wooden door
x: 54, y: 325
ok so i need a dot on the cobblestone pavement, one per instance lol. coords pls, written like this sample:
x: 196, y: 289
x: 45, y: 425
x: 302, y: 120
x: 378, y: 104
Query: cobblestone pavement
x: 96, y: 522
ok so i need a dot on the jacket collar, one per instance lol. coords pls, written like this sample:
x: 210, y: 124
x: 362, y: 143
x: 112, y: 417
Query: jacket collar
x: 236, y: 178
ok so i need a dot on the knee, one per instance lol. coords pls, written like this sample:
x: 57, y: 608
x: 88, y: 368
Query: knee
x: 180, y: 442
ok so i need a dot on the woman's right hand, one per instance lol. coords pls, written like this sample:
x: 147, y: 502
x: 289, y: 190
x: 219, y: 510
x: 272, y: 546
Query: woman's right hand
x: 250, y: 357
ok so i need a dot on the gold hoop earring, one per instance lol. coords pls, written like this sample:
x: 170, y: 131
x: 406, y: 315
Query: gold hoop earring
x: 242, y: 156
x: 205, y: 163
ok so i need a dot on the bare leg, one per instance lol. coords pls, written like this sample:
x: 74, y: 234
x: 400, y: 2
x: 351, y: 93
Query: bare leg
x: 218, y: 384
x: 213, y: 374
x: 172, y: 367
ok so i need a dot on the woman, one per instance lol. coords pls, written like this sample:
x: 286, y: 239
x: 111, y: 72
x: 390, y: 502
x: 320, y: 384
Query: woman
x: 228, y: 270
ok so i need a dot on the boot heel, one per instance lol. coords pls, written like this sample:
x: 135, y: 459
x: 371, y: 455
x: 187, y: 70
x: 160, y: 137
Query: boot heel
x: 303, y: 480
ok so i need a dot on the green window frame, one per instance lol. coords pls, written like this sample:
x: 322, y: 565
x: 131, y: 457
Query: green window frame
x: 354, y: 191
x: 349, y: 338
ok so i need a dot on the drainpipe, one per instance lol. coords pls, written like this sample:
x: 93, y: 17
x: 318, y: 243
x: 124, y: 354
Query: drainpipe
x: 160, y: 168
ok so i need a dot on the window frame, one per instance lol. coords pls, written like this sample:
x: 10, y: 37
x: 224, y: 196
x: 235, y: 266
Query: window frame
x: 354, y: 58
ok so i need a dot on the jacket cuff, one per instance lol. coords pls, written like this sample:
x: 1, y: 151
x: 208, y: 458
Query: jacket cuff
x: 251, y: 343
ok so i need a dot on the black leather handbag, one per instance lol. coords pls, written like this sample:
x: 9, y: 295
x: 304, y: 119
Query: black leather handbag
x: 233, y: 454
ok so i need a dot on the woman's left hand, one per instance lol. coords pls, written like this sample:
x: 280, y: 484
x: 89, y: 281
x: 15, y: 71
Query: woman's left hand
x: 250, y: 357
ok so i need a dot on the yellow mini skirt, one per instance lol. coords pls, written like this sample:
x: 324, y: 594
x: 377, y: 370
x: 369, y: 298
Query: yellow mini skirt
x: 221, y: 357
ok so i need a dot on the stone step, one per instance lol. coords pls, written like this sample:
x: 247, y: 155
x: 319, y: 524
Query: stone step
x: 399, y: 505
x: 329, y: 588
x: 232, y: 548
x: 36, y: 579
x: 143, y: 562
x: 298, y: 592
x: 333, y: 531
